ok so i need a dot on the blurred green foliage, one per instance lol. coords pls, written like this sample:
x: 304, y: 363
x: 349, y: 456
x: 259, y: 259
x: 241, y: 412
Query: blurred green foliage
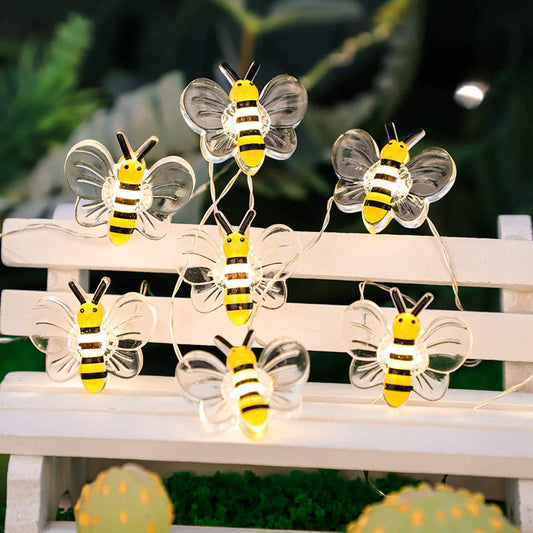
x: 40, y: 103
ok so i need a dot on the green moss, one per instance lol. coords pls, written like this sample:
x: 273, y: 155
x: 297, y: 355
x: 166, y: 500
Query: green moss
x: 65, y: 515
x: 320, y: 500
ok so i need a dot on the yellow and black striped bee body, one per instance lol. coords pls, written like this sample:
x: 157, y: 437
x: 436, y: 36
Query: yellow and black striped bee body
x: 237, y: 269
x: 397, y: 384
x: 91, y: 339
x: 127, y: 193
x: 378, y: 201
x: 253, y: 408
x: 250, y: 143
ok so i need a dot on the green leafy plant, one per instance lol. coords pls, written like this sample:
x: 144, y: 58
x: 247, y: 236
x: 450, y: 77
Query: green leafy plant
x: 39, y: 102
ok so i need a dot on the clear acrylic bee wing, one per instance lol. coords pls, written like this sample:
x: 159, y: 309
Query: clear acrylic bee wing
x: 448, y: 341
x: 431, y: 385
x: 49, y: 325
x: 201, y: 376
x: 363, y: 327
x: 171, y: 182
x: 287, y: 363
x: 90, y: 213
x: 202, y: 255
x: 87, y: 167
x: 131, y: 322
x: 433, y: 173
x: 285, y: 100
x: 353, y: 154
x: 217, y: 146
x: 411, y: 211
x: 280, y: 143
x: 366, y: 374
x: 271, y: 295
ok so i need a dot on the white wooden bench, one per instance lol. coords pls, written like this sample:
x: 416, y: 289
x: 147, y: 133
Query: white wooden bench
x: 58, y: 435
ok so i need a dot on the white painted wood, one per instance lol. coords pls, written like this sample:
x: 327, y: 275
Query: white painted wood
x: 340, y: 256
x: 69, y: 527
x: 519, y: 492
x: 496, y: 336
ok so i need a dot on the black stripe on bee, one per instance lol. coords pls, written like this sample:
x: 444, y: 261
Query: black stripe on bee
x: 249, y: 394
x: 95, y: 329
x: 399, y: 357
x: 245, y: 133
x: 385, y: 177
x: 247, y: 366
x: 93, y: 375
x: 390, y: 163
x: 129, y: 186
x: 380, y: 190
x: 247, y: 118
x: 126, y: 201
x: 92, y: 360
x: 404, y: 342
x: 126, y: 216
x: 375, y: 203
x: 90, y: 345
x: 398, y: 388
x: 236, y: 260
x: 237, y: 275
x: 246, y: 103
x: 238, y: 290
x: 245, y: 381
x: 399, y: 371
x: 119, y: 229
x: 239, y: 307
x: 251, y: 146
x: 252, y: 407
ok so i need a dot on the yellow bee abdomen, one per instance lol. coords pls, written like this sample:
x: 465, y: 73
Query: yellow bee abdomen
x: 251, y: 150
x: 254, y: 412
x: 93, y: 376
x: 375, y: 207
x: 121, y: 229
x: 238, y: 307
x: 396, y: 388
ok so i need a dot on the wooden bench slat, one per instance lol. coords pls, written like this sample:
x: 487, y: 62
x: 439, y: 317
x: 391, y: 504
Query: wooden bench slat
x: 497, y: 336
x: 338, y: 256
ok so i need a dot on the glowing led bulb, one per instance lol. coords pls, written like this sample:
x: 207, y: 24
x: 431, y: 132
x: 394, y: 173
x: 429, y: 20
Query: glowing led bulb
x: 127, y: 196
x: 245, y: 390
x: 471, y: 94
x: 91, y: 342
x: 245, y: 124
x: 402, y: 357
x: 387, y: 184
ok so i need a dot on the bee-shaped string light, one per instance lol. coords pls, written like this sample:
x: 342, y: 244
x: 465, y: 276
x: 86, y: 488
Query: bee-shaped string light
x: 126, y: 196
x: 388, y: 184
x: 236, y: 274
x: 245, y: 389
x: 402, y: 357
x: 90, y: 342
x: 245, y: 125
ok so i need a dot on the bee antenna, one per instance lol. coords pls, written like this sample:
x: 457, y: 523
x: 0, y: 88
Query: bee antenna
x: 414, y: 137
x: 246, y: 221
x: 146, y: 147
x: 223, y: 345
x: 422, y: 303
x: 100, y: 290
x: 76, y: 289
x: 397, y: 300
x: 390, y: 128
x: 228, y: 72
x: 124, y: 144
x: 223, y: 222
x: 249, y: 339
x: 253, y: 69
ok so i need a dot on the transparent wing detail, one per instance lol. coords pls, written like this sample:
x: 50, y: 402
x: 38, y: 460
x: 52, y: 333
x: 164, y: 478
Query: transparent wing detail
x: 207, y: 297
x: 433, y: 173
x: 411, y: 211
x: 366, y: 374
x: 217, y: 146
x: 353, y: 154
x: 363, y: 327
x: 431, y: 385
x: 280, y: 143
x: 90, y: 212
x: 154, y: 227
x: 287, y: 364
x: 448, y: 341
x: 272, y: 295
x: 87, y: 167
x: 285, y: 100
x: 128, y: 327
x: 171, y: 181
x: 53, y: 330
x: 202, y: 105
x: 201, y: 376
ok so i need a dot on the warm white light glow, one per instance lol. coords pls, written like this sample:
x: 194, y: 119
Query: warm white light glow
x: 470, y: 94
